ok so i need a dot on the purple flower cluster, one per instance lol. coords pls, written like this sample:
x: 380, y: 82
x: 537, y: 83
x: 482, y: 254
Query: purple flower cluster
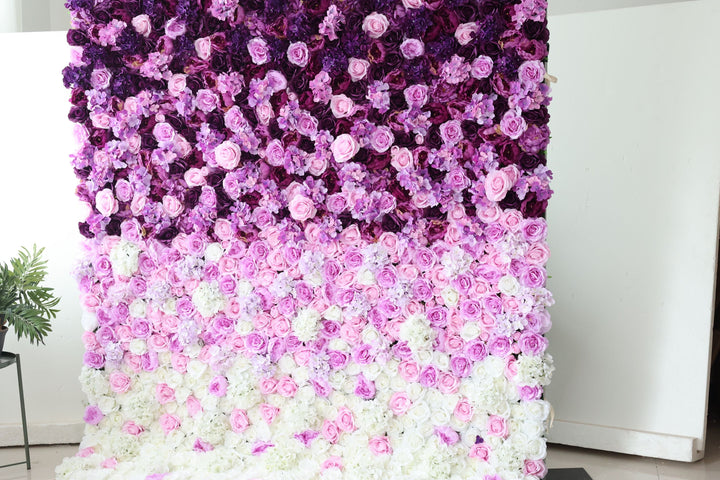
x: 384, y: 114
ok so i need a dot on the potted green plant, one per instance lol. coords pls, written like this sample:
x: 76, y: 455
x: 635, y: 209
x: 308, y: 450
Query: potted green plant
x: 25, y: 304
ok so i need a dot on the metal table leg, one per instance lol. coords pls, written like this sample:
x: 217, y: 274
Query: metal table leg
x: 22, y: 411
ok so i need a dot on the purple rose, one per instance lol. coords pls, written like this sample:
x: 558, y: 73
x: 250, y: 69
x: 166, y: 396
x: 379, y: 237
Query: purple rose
x: 93, y: 415
x: 330, y: 329
x: 207, y: 100
x: 460, y: 366
x: 422, y: 290
x: 476, y: 350
x: 492, y: 304
x: 451, y: 132
x: 528, y: 393
x: 365, y: 388
x: 500, y: 346
x: 470, y: 309
x: 93, y: 360
x: 259, y: 51
x: 218, y: 386
x: 532, y: 344
x: 354, y: 258
x: 141, y: 328
x: 362, y: 354
x: 447, y: 435
x: 337, y: 359
x: 256, y: 343
x: 534, y: 230
x: 227, y: 285
x: 425, y: 259
x: 388, y: 308
x: 387, y: 277
x: 533, y: 277
x: 437, y: 316
x: 428, y: 376
x: 412, y: 48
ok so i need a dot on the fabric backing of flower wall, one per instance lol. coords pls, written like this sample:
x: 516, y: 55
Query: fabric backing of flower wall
x: 315, y: 242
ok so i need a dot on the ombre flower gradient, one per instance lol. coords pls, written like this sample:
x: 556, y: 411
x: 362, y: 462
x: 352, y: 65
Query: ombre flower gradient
x: 315, y: 244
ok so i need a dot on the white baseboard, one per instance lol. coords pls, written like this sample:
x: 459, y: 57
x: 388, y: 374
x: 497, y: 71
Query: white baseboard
x: 42, y: 434
x: 620, y: 440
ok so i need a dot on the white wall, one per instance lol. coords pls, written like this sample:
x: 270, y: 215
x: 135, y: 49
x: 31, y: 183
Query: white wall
x: 633, y: 225
x: 38, y: 205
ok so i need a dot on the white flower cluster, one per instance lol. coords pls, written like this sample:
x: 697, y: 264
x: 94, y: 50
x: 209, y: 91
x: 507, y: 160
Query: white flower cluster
x: 208, y: 299
x: 124, y: 258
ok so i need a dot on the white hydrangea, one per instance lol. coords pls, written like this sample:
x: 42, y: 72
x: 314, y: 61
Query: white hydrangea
x: 532, y: 370
x: 416, y: 331
x: 207, y: 299
x: 306, y: 324
x: 124, y: 258
x: 456, y: 261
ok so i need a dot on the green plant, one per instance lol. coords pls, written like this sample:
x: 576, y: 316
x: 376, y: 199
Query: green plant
x: 25, y: 304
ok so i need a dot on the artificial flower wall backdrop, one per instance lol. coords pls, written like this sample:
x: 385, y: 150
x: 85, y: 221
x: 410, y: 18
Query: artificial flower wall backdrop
x: 315, y: 242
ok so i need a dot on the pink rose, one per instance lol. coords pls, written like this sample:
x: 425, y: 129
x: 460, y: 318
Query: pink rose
x: 203, y: 48
x: 177, y: 84
x: 412, y: 48
x: 172, y: 206
x: 342, y: 106
x: 513, y: 124
x: 465, y: 32
x: 409, y: 370
x: 497, y: 184
x: 481, y: 67
x: 106, y: 203
x: 267, y: 385
x: 169, y: 422
x: 358, y: 69
x: 416, y: 96
x: 375, y: 25
x: 330, y: 431
x: 164, y: 393
x: 381, y: 139
x: 464, y: 410
x: 448, y: 383
x: 307, y: 125
x: 345, y: 420
x: 142, y: 25
x: 344, y: 147
x: 400, y: 403
x: 497, y: 426
x: 227, y: 155
x: 380, y: 446
x: 287, y: 387
x: 531, y: 72
x: 480, y: 451
x: 332, y: 462
x: 268, y: 412
x: 234, y: 119
x: 218, y: 386
x: 298, y: 54
x: 259, y: 52
x: 123, y: 190
x: 193, y: 405
x: 535, y: 468
x: 413, y: 3
x: 537, y: 254
x: 132, y: 428
x: 164, y: 133
x: 264, y: 113
x: 302, y: 208
x: 451, y: 132
x: 206, y: 100
x: 119, y: 382
x: 239, y: 421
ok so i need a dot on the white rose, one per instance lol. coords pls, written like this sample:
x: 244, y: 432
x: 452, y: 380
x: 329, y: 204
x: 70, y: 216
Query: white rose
x: 138, y: 346
x: 137, y: 308
x: 450, y: 296
x: 214, y: 252
x: 365, y: 277
x: 508, y: 285
x: 470, y: 331
x: 306, y: 324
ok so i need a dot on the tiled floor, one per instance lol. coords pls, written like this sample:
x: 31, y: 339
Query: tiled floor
x: 600, y: 465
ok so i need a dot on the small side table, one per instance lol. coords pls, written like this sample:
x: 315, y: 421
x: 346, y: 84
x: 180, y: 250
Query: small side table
x: 7, y: 359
